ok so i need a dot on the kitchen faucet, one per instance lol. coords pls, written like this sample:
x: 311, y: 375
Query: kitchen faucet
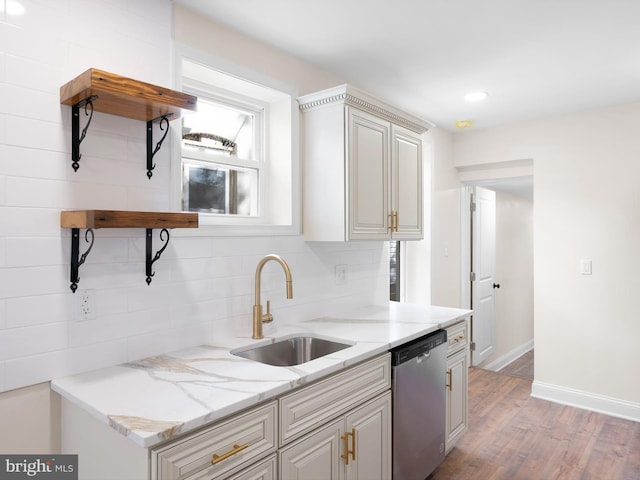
x: 258, y: 317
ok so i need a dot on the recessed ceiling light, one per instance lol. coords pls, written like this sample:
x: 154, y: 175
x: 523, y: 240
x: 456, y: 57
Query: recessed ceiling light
x: 462, y: 124
x: 476, y: 96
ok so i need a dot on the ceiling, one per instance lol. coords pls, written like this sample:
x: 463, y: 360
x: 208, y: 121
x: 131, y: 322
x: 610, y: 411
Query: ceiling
x: 535, y: 58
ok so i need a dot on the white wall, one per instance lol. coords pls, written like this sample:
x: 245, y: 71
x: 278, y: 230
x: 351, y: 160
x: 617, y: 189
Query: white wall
x: 445, y: 224
x: 587, y: 175
x: 203, y: 285
x: 416, y: 278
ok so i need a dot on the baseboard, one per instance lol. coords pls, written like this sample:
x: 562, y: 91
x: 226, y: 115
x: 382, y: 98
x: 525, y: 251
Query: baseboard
x: 587, y: 401
x: 509, y: 357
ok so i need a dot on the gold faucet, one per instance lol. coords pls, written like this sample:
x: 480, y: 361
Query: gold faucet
x: 258, y: 317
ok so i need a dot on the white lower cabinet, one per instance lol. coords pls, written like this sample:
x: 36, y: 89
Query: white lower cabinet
x: 457, y: 382
x: 267, y: 469
x: 336, y: 428
x: 354, y: 446
x: 218, y: 451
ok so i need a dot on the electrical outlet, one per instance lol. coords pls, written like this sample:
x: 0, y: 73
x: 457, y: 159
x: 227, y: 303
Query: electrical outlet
x: 585, y: 267
x: 340, y: 274
x: 86, y: 307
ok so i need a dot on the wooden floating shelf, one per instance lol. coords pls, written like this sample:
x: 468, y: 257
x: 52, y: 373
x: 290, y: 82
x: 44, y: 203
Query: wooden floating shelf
x: 94, y: 219
x: 126, y: 97
x: 100, y: 91
x: 127, y: 219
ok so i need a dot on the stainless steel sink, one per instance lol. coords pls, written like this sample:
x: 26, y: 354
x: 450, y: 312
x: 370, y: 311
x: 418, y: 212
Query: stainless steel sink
x: 292, y: 351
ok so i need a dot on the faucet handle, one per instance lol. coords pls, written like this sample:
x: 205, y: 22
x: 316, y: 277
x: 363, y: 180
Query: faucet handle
x: 267, y: 317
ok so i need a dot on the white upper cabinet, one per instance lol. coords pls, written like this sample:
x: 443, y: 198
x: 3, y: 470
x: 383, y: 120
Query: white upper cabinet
x: 362, y: 168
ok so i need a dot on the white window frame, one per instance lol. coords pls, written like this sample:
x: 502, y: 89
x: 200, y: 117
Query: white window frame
x: 280, y: 208
x: 259, y: 163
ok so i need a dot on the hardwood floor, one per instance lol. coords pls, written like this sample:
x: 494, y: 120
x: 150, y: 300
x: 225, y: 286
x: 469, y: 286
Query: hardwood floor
x: 521, y: 367
x: 513, y: 436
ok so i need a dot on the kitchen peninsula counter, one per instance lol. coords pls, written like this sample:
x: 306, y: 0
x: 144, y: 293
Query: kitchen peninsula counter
x: 157, y: 398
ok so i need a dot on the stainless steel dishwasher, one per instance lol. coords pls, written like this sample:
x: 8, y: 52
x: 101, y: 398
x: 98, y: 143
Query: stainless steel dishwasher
x: 419, y: 406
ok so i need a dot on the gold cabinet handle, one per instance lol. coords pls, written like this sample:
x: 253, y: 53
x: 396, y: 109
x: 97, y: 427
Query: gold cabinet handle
x: 449, y: 379
x: 345, y: 440
x: 393, y: 221
x: 353, y: 450
x: 236, y: 448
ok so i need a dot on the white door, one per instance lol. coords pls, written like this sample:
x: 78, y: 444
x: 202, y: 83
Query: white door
x: 483, y: 264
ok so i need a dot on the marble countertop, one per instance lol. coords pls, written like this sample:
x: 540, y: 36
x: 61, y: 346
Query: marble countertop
x: 156, y: 398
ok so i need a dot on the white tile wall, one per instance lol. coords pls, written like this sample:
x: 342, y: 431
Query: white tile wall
x: 3, y: 314
x: 202, y: 290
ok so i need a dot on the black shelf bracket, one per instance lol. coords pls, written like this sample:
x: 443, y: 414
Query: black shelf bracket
x: 149, y: 249
x: 151, y: 151
x: 76, y: 136
x: 76, y: 258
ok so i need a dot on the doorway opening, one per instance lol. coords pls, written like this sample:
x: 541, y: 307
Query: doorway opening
x: 508, y: 332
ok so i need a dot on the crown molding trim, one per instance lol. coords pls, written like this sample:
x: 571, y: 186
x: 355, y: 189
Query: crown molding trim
x: 349, y: 96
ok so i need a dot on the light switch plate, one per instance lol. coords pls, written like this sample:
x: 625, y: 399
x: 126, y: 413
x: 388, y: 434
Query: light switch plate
x: 585, y: 267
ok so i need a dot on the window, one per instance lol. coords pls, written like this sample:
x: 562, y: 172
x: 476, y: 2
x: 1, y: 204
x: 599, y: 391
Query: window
x: 238, y: 158
x: 394, y: 271
x: 222, y: 159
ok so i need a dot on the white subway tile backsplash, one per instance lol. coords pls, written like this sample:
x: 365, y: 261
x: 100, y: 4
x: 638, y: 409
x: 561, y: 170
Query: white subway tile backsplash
x: 194, y: 247
x: 23, y: 162
x: 32, y: 252
x: 36, y: 134
x: 37, y: 310
x: 189, y: 269
x: 3, y: 57
x: 23, y: 341
x: 104, y: 146
x: 155, y: 295
x: 122, y: 325
x: 203, y: 287
x: 23, y: 102
x: 27, y: 73
x: 29, y: 221
x: 31, y: 192
x: 40, y: 43
x: 165, y: 342
x: 2, y: 128
x: 221, y: 266
x: 106, y: 248
x: 32, y: 369
x: 41, y: 280
x: 3, y: 314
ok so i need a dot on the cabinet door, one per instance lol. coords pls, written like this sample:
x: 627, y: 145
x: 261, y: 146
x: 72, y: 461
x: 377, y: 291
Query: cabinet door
x: 457, y: 373
x: 267, y: 469
x: 406, y: 181
x: 368, y: 176
x: 218, y: 451
x: 370, y: 440
x: 316, y: 456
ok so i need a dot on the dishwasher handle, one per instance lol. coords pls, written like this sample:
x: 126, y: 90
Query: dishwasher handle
x: 423, y: 356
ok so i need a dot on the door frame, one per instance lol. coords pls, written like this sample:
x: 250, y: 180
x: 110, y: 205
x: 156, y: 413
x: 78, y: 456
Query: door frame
x: 465, y: 245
